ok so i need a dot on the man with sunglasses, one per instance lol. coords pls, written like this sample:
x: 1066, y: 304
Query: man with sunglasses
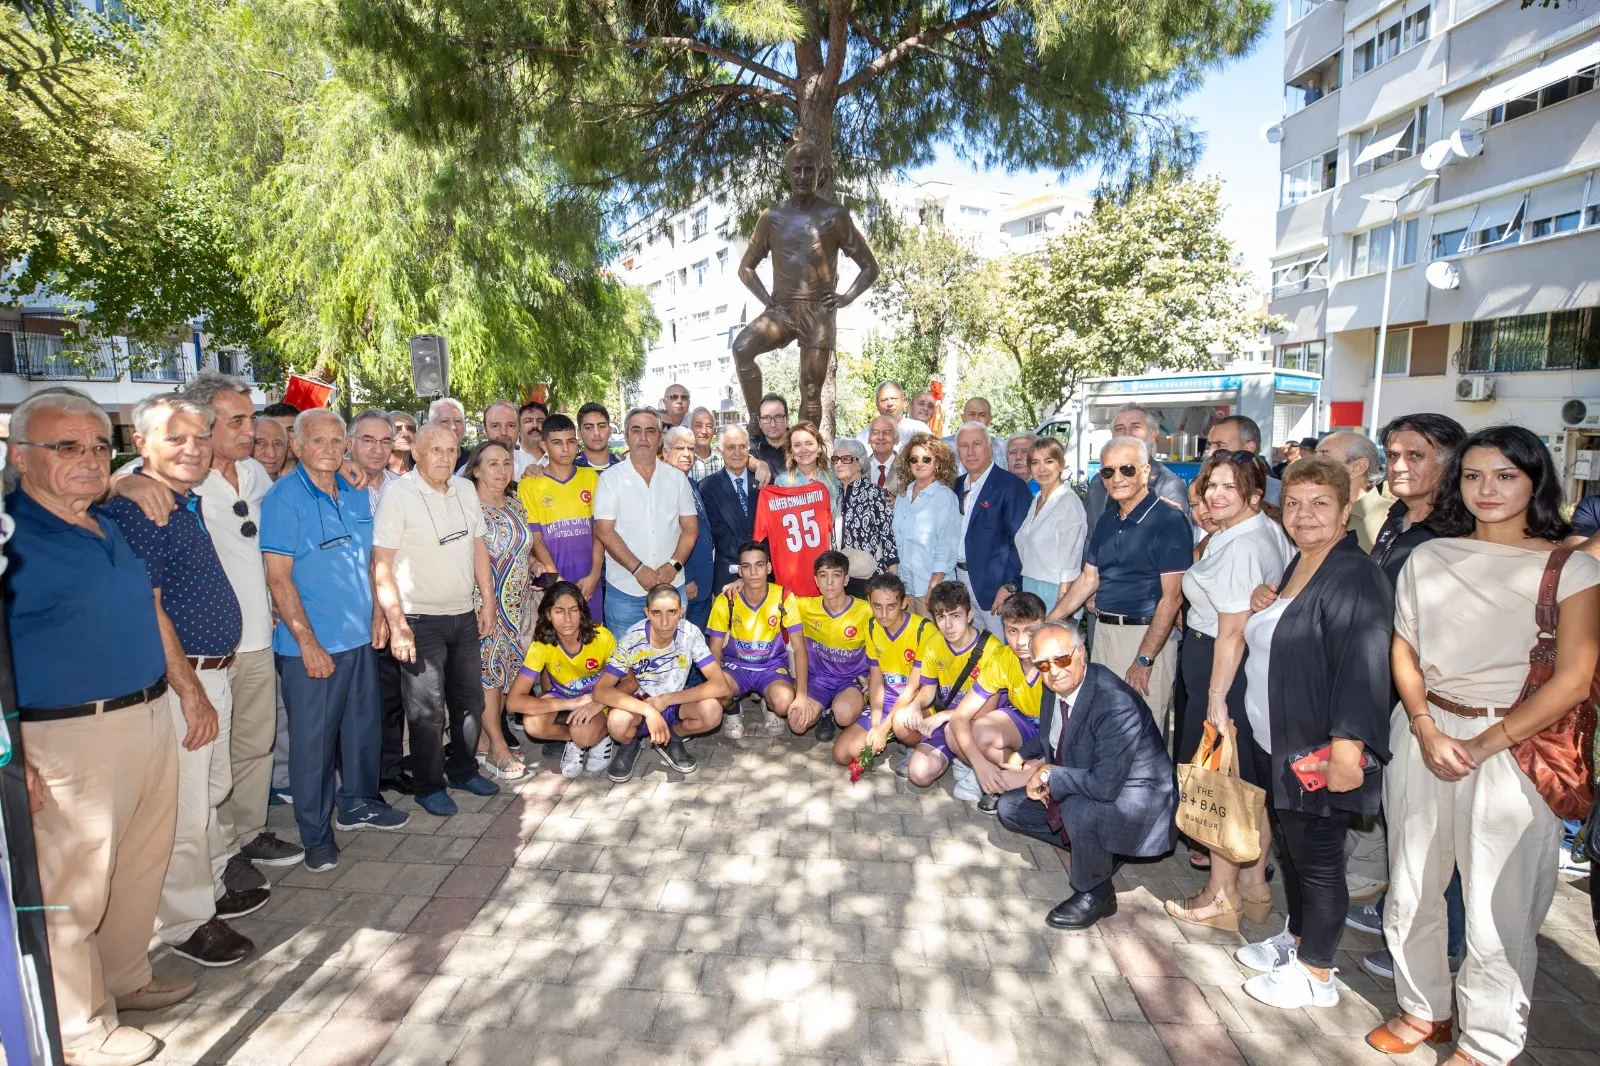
x: 1131, y: 420
x: 429, y: 554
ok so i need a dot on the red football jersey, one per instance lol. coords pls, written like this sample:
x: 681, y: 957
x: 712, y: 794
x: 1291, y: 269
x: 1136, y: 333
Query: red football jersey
x: 797, y: 524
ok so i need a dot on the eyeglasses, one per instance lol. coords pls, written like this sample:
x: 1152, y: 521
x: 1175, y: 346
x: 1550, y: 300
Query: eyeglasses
x: 844, y: 459
x: 678, y: 396
x: 774, y: 418
x: 242, y: 509
x: 1057, y: 662
x: 328, y: 543
x: 458, y: 534
x: 921, y: 460
x: 370, y: 441
x: 70, y: 450
x: 1126, y: 470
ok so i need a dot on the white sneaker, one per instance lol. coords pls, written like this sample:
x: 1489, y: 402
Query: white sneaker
x: 1292, y: 986
x: 1268, y: 954
x: 733, y: 726
x: 967, y: 787
x: 599, y: 756
x: 1573, y: 864
x: 1363, y: 888
x: 571, y: 760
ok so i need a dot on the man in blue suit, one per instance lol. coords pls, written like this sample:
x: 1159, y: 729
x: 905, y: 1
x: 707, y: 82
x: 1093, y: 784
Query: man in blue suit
x: 729, y: 497
x: 994, y: 503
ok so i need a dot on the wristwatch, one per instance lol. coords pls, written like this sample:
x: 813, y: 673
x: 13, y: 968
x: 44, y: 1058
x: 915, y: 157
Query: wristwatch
x: 1011, y: 587
x: 1044, y: 777
x: 1144, y: 661
x: 677, y: 566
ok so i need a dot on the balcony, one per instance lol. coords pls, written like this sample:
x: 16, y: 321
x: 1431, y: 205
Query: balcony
x: 48, y: 357
x: 158, y: 363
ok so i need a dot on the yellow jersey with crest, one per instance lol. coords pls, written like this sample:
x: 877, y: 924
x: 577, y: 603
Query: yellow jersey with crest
x: 755, y: 634
x: 1006, y: 674
x: 894, y: 654
x: 570, y: 676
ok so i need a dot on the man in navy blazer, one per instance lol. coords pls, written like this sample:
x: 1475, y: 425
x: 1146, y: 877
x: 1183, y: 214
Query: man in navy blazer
x: 994, y: 504
x: 1102, y: 784
x: 732, y: 514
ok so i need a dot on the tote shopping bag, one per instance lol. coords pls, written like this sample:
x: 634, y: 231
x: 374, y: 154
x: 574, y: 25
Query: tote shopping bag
x: 1217, y: 808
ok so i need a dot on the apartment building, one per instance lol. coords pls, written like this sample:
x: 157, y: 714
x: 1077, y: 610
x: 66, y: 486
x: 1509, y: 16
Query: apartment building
x: 1463, y: 138
x: 689, y: 264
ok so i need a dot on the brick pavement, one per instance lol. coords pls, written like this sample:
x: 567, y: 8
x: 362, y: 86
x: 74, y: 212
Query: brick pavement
x: 764, y: 910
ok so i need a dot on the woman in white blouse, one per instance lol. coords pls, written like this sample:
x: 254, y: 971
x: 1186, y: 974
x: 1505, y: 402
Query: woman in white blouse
x: 1248, y: 549
x: 1051, y: 539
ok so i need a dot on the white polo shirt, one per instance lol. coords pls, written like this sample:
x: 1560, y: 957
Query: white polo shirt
x: 646, y: 516
x: 433, y: 578
x: 241, y: 555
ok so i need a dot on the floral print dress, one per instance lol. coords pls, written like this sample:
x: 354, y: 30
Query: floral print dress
x: 508, y: 539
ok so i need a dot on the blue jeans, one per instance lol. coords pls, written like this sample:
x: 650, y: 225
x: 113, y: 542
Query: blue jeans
x: 328, y: 717
x: 1455, y: 910
x: 699, y: 612
x: 622, y: 611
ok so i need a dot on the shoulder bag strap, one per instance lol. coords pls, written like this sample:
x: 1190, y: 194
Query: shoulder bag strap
x: 940, y: 704
x: 1546, y: 612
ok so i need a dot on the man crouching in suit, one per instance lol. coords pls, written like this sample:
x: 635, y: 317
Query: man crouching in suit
x: 1102, y: 784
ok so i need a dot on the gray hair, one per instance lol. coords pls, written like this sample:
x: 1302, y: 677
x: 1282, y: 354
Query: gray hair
x: 374, y: 412
x: 1149, y: 419
x: 428, y: 429
x: 1068, y: 633
x: 698, y: 411
x: 972, y: 425
x: 1029, y: 437
x: 311, y: 414
x: 443, y: 402
x: 204, y: 386
x: 651, y: 411
x: 889, y: 385
x: 677, y: 434
x: 731, y: 428
x: 1139, y: 443
x: 68, y: 401
x: 851, y: 445
x: 145, y: 417
x: 1359, y: 446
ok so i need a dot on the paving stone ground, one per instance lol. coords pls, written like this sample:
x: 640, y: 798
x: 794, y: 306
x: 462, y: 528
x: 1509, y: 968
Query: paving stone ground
x: 765, y: 910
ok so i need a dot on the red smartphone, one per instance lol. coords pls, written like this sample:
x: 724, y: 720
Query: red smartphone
x: 1312, y: 781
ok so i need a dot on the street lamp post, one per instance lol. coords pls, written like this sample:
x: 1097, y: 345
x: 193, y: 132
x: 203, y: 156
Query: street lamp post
x: 1373, y: 425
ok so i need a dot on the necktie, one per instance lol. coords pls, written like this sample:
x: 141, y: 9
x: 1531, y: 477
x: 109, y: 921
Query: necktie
x: 1052, y: 809
x: 744, y: 498
x: 883, y: 474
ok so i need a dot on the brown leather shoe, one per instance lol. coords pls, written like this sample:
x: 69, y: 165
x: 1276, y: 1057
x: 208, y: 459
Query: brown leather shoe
x: 125, y: 1046
x: 160, y: 992
x: 1386, y: 1040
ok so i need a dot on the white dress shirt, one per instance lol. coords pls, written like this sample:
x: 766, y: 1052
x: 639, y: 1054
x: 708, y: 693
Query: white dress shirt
x: 647, y: 516
x: 1064, y: 705
x: 241, y: 555
x: 974, y: 487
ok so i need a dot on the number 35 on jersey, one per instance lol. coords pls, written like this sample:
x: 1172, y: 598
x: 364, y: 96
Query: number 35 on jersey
x: 797, y: 524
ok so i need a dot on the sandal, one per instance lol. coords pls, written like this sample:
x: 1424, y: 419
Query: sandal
x: 1224, y: 911
x: 1386, y: 1040
x: 511, y: 768
x: 1199, y: 860
x: 1257, y: 902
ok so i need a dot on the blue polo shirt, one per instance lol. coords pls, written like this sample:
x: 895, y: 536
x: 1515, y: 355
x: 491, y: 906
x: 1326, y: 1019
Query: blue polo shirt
x: 1132, y: 553
x: 182, y: 562
x: 79, y: 608
x: 331, y: 544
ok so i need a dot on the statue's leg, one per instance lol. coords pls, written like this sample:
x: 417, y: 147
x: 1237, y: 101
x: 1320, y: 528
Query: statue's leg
x: 813, y: 373
x: 762, y: 335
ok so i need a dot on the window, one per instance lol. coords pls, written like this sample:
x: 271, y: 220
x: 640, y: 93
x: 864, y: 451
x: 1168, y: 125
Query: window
x: 1390, y: 143
x: 683, y: 278
x: 653, y: 289
x: 1391, y: 40
x: 722, y: 309
x: 968, y: 211
x: 1369, y: 251
x: 1312, y: 85
x: 1554, y: 208
x: 1299, y: 9
x: 701, y: 269
x: 722, y: 260
x: 1306, y: 355
x: 698, y: 227
x: 1498, y: 221
x: 1316, y: 175
x: 1304, y: 276
x: 671, y: 281
x: 1036, y: 225
x: 1563, y: 88
x: 1563, y: 340
x: 1397, y: 353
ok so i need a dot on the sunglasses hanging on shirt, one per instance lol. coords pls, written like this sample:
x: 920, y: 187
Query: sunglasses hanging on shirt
x: 242, y: 510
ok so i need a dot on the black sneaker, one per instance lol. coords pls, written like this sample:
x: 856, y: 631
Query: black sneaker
x: 269, y: 850
x: 215, y: 944
x: 622, y: 762
x: 551, y: 749
x: 827, y: 728
x: 676, y: 756
x: 234, y: 904
x: 241, y: 875
x: 989, y: 803
x: 402, y: 782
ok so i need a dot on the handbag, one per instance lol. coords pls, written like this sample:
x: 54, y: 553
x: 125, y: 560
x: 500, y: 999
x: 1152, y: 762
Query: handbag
x: 1558, y: 759
x: 1216, y: 807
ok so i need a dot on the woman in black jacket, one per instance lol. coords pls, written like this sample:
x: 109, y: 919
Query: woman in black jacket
x: 1317, y: 675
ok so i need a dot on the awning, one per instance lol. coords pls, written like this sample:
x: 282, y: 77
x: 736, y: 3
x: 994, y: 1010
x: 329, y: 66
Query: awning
x: 1557, y: 198
x: 1547, y: 73
x: 1501, y: 211
x: 1384, y: 145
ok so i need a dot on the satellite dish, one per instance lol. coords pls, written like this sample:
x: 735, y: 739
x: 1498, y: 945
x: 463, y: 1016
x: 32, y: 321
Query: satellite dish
x: 1466, y: 143
x: 1437, y: 155
x: 1053, y: 221
x: 1443, y: 275
x: 1272, y: 133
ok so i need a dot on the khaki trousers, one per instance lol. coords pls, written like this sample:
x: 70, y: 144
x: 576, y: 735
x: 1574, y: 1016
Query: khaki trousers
x: 253, y: 677
x: 103, y: 839
x: 1115, y: 647
x: 189, y: 894
x: 1366, y: 849
x: 1498, y: 830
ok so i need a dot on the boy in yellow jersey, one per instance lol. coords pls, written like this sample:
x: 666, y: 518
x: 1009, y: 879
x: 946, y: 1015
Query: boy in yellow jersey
x: 894, y: 640
x: 835, y: 625
x: 559, y: 499
x: 753, y: 628
x: 945, y: 671
x: 567, y: 655
x: 1001, y: 713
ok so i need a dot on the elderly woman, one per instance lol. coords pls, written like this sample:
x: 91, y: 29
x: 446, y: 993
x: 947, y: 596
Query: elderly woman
x: 1247, y: 549
x: 927, y: 516
x: 1051, y: 538
x: 864, y: 522
x: 1456, y: 796
x: 489, y: 467
x: 1317, y: 681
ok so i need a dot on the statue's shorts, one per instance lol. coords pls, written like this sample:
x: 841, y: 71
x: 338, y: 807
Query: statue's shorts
x: 806, y: 322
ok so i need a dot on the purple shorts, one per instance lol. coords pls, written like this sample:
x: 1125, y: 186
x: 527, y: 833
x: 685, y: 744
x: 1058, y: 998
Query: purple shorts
x: 937, y: 741
x: 670, y: 714
x: 754, y: 677
x: 826, y: 689
x: 1028, y: 727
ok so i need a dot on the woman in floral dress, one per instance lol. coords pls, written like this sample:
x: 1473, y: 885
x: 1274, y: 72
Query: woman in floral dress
x: 509, y: 540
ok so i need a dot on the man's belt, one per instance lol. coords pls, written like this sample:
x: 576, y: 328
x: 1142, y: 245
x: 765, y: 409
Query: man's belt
x: 212, y: 662
x: 1448, y: 704
x: 1106, y: 618
x: 84, y: 710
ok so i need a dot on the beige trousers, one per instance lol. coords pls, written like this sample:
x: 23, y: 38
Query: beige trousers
x: 189, y: 894
x: 1115, y: 648
x: 254, y: 681
x: 103, y: 838
x: 1498, y: 830
x: 1366, y: 848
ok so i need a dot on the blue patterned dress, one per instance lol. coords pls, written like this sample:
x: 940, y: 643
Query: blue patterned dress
x: 508, y: 539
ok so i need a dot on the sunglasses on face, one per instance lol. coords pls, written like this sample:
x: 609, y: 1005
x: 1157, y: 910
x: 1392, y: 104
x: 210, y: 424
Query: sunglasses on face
x: 844, y: 458
x: 1126, y: 470
x: 921, y: 460
x: 1059, y: 662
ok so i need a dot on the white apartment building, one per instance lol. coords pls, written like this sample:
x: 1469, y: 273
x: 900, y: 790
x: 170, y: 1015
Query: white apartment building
x: 1495, y: 303
x: 690, y: 267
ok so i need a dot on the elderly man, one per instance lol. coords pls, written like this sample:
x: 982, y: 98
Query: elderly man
x: 271, y: 446
x: 891, y: 399
x: 405, y: 431
x: 1101, y: 784
x: 1019, y: 459
x: 675, y: 406
x: 371, y: 446
x: 1134, y: 567
x: 99, y: 753
x: 173, y: 435
x: 772, y: 446
x: 450, y: 414
x: 594, y: 429
x: 1368, y: 509
x: 882, y: 439
x: 645, y: 517
x: 1131, y: 420
x: 707, y: 461
x: 729, y: 498
x: 428, y: 556
x: 1239, y: 433
x: 530, y: 437
x: 699, y: 581
x: 316, y: 532
x: 994, y: 504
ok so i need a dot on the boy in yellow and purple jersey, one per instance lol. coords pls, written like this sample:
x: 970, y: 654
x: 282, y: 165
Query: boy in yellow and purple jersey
x: 559, y: 500
x: 835, y: 625
x: 1001, y: 713
x: 894, y: 640
x: 564, y: 661
x: 753, y: 628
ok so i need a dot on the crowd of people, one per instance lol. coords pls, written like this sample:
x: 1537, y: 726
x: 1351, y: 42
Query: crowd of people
x: 286, y: 606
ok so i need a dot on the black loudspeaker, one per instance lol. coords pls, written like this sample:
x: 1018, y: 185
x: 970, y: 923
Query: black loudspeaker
x: 430, y: 365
